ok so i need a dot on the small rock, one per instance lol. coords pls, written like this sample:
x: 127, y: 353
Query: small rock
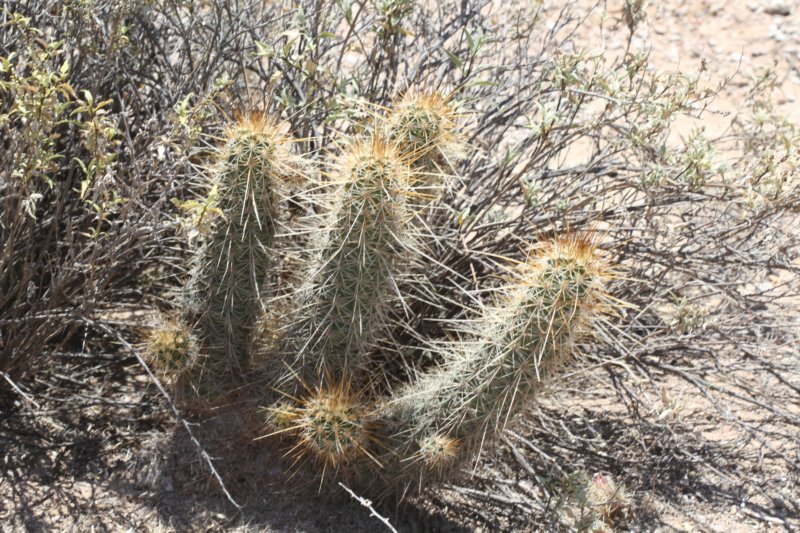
x: 716, y: 8
x: 782, y: 8
x: 736, y: 57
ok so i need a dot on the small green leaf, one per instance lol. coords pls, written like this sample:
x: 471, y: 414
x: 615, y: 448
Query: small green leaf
x: 183, y: 106
x: 482, y: 83
x: 454, y: 59
x: 264, y: 49
x: 347, y: 10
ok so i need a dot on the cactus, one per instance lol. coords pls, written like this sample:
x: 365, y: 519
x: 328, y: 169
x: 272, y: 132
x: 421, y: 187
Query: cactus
x: 432, y: 425
x: 607, y: 501
x: 168, y: 345
x: 361, y: 255
x: 171, y: 350
x: 254, y: 169
x: 329, y: 425
x: 320, y: 333
x: 423, y: 125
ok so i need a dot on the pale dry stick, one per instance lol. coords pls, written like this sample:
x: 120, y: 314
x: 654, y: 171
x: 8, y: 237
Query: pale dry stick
x: 19, y: 390
x: 202, y: 451
x: 368, y: 504
x: 490, y: 497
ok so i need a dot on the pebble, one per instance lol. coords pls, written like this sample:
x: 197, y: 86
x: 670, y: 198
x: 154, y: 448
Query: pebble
x: 716, y: 9
x: 736, y: 57
x: 781, y: 8
x: 776, y: 34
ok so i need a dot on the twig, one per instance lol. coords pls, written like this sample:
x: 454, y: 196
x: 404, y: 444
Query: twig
x: 488, y: 496
x: 200, y: 449
x: 368, y: 504
x: 763, y: 516
x: 525, y: 465
x: 19, y: 390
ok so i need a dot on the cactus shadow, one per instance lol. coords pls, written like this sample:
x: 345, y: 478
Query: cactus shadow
x: 273, y: 494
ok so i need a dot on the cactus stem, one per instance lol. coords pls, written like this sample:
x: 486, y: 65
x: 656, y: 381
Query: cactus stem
x: 254, y: 171
x: 446, y: 416
x: 361, y: 255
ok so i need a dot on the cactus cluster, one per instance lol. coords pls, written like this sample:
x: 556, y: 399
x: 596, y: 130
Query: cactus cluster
x: 317, y: 341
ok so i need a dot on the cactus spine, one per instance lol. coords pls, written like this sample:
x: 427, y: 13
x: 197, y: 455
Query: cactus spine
x: 361, y: 256
x: 253, y: 169
x: 449, y: 414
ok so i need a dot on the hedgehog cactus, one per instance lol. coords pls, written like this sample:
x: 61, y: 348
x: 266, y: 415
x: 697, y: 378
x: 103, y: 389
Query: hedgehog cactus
x: 449, y: 414
x: 324, y: 325
x: 253, y: 170
x: 169, y: 345
x: 361, y: 256
x: 328, y: 425
x: 423, y: 125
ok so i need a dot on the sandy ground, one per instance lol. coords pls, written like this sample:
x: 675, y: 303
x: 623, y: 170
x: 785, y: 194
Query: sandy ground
x: 727, y: 44
x: 733, y: 40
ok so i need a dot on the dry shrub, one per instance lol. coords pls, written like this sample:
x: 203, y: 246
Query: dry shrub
x: 98, y: 135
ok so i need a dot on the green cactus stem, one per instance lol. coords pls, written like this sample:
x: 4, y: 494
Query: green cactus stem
x: 423, y: 125
x: 432, y: 426
x: 254, y: 170
x: 361, y: 255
